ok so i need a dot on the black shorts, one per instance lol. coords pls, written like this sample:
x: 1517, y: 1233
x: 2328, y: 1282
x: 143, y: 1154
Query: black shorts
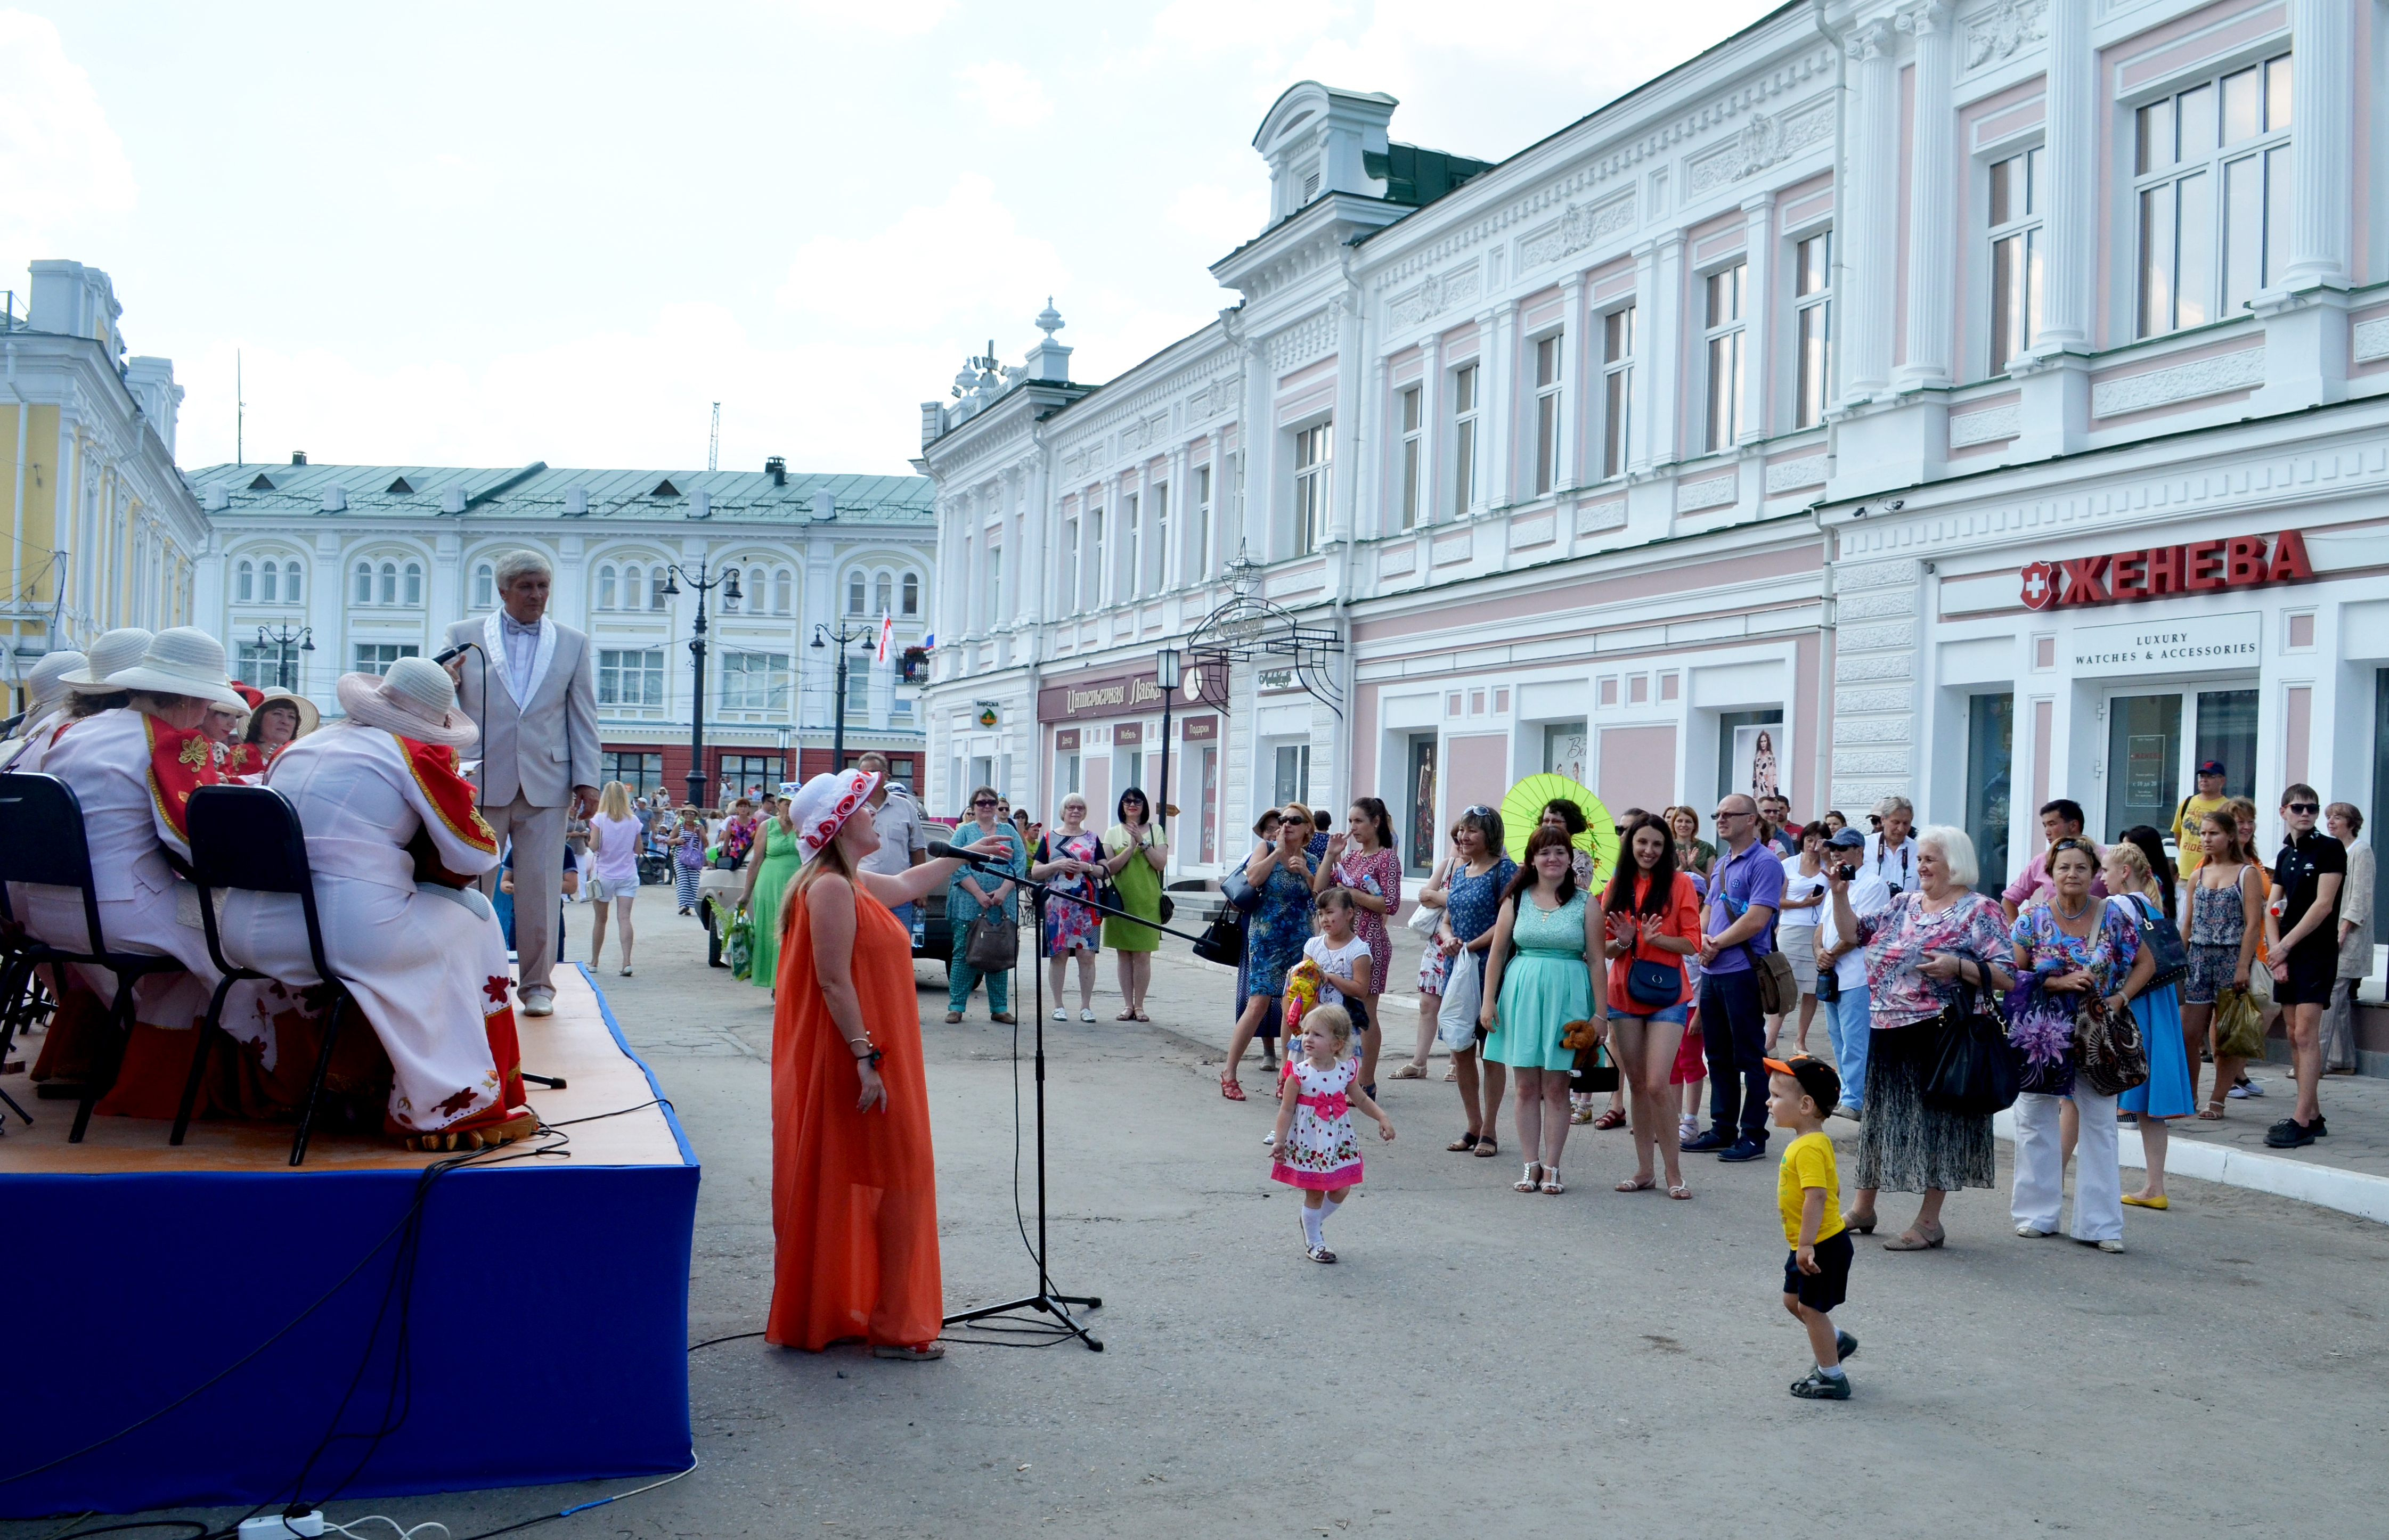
x: 1830, y: 1284
x: 2311, y: 976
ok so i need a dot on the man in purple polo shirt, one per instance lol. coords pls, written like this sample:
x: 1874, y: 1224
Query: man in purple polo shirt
x: 1745, y: 889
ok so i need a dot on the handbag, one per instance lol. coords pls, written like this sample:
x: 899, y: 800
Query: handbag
x: 1779, y: 991
x: 1463, y: 993
x: 2163, y: 941
x: 1595, y: 1072
x: 2108, y: 1052
x: 1973, y: 1070
x: 1656, y: 985
x: 1422, y: 919
x: 994, y: 946
x: 1222, y: 940
x: 2239, y: 1025
x: 1239, y: 891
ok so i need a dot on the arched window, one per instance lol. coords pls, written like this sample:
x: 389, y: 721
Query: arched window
x: 656, y: 582
x: 854, y: 593
x: 244, y: 581
x: 413, y: 583
x: 365, y: 583
x: 485, y: 588
x: 605, y: 586
x: 784, y: 588
x: 912, y: 593
x: 885, y: 594
x: 267, y: 589
x: 634, y: 589
x: 291, y: 593
x: 389, y: 582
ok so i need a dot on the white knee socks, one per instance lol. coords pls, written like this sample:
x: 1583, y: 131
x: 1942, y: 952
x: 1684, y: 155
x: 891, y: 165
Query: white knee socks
x: 1314, y: 1222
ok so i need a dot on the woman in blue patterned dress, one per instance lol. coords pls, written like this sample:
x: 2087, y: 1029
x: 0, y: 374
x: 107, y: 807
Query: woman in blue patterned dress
x: 1274, y: 933
x: 1480, y: 874
x: 1068, y: 858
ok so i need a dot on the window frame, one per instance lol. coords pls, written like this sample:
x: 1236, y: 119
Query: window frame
x: 2270, y: 151
x: 2014, y: 305
x: 1410, y: 408
x: 909, y: 594
x: 1725, y: 336
x: 1203, y: 521
x: 485, y: 586
x: 1550, y: 381
x: 244, y: 583
x: 1812, y: 354
x: 613, y: 670
x: 1618, y: 324
x: 1313, y: 484
x: 1467, y: 398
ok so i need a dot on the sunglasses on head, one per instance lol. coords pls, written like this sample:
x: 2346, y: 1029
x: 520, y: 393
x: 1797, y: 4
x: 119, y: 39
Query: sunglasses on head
x: 2304, y: 807
x: 2070, y: 843
x: 1477, y: 809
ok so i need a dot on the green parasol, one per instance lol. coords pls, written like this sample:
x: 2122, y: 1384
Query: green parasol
x: 1523, y: 809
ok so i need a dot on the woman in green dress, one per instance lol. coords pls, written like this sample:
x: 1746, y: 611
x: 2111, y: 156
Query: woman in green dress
x: 1532, y: 994
x: 771, y: 865
x: 1137, y: 855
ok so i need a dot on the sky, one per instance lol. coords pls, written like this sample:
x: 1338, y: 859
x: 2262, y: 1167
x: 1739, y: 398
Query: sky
x: 491, y: 234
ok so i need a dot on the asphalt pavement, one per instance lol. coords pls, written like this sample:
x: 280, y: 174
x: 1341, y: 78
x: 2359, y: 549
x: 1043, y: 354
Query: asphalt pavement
x: 1480, y: 1363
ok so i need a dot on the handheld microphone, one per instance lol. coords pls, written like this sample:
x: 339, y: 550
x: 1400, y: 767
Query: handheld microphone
x: 443, y: 659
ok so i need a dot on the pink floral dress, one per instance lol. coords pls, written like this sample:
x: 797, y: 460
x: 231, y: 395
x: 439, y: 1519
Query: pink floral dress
x: 1378, y: 873
x: 1321, y: 1150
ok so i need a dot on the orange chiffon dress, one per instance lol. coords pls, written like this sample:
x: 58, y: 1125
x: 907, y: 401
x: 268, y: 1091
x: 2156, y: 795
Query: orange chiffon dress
x: 854, y: 1201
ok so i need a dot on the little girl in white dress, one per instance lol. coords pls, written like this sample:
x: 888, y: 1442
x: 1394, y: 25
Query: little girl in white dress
x: 1315, y: 1148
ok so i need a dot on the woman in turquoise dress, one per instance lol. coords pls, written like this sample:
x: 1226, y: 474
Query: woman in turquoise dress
x: 972, y: 889
x: 2168, y: 1092
x: 771, y: 865
x: 1552, y: 978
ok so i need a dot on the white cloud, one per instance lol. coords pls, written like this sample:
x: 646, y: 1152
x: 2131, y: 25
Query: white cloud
x: 1222, y: 217
x: 61, y: 162
x: 445, y: 183
x: 1005, y: 93
x: 962, y: 261
x: 887, y: 17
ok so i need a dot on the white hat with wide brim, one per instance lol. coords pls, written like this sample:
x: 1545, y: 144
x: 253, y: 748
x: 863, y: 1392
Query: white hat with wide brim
x: 114, y: 651
x: 45, y: 682
x: 415, y: 699
x: 310, y: 719
x: 181, y: 660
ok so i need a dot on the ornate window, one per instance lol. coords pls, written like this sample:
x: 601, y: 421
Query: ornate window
x: 784, y: 590
x: 244, y: 583
x: 413, y: 583
x: 606, y: 577
x: 2015, y: 219
x: 854, y: 597
x: 363, y: 595
x: 1617, y: 389
x: 1314, y: 447
x: 1725, y: 338
x: 388, y: 588
x: 2211, y: 166
x: 1547, y: 413
x: 485, y: 586
x: 912, y: 593
x: 1812, y: 323
x: 883, y: 591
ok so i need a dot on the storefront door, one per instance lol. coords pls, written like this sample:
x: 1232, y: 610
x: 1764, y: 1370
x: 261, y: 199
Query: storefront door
x: 1422, y: 840
x: 2156, y: 741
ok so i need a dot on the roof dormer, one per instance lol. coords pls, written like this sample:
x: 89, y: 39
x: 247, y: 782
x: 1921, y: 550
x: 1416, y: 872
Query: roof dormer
x: 1317, y: 140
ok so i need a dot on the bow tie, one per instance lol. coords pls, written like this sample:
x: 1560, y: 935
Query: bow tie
x: 516, y: 628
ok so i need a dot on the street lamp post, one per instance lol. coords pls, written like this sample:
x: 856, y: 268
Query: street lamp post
x: 280, y: 640
x: 728, y: 584
x: 837, y: 720
x: 1165, y: 674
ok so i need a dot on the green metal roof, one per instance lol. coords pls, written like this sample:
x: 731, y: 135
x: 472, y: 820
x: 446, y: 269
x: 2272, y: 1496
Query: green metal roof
x: 538, y: 491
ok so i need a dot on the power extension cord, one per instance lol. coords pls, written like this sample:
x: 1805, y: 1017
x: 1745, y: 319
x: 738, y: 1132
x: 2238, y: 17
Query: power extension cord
x: 274, y: 1526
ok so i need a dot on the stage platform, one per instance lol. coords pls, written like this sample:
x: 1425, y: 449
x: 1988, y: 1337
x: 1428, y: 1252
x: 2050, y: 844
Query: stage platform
x: 198, y: 1313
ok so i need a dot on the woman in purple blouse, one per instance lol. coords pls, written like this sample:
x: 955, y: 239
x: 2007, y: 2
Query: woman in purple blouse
x: 1920, y: 951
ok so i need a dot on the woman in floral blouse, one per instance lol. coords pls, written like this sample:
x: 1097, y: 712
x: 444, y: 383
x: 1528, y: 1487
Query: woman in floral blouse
x: 1921, y: 950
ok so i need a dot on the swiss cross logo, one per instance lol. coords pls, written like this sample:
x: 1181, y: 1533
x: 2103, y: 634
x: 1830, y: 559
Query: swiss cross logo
x: 2039, y: 586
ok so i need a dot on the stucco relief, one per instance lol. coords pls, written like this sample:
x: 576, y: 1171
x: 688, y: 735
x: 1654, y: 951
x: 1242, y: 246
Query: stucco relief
x: 1591, y: 518
x: 1581, y: 226
x: 1762, y: 142
x: 1789, y: 475
x: 2205, y: 377
x: 1714, y: 492
x: 1303, y: 342
x: 1982, y: 428
x: 2006, y: 27
x: 2371, y: 340
x: 1439, y: 293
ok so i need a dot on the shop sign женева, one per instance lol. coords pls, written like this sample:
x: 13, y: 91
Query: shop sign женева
x: 2162, y: 571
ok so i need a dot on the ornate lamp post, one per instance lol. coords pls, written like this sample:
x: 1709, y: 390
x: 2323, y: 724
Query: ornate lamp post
x: 837, y: 730
x: 728, y: 584
x: 281, y: 640
x: 1166, y: 674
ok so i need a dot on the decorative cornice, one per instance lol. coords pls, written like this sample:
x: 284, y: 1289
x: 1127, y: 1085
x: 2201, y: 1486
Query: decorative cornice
x: 2004, y: 30
x: 1439, y: 293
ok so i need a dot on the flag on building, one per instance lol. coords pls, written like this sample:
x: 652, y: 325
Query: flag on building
x: 887, y: 634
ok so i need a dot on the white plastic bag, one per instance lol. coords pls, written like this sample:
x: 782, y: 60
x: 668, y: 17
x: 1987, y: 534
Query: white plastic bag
x: 1424, y: 920
x: 1455, y: 1022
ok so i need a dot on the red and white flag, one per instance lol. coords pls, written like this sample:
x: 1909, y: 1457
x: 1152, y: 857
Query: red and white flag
x: 887, y: 634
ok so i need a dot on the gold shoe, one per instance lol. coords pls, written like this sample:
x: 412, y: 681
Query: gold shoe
x: 2157, y: 1202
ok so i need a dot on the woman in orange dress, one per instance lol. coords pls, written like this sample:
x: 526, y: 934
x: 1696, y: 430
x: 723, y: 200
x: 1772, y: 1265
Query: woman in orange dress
x: 855, y: 1201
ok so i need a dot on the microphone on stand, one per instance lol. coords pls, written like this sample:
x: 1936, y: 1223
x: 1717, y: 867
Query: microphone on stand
x: 939, y: 848
x: 443, y: 659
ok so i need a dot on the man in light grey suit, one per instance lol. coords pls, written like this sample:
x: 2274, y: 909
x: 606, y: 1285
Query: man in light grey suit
x: 538, y: 749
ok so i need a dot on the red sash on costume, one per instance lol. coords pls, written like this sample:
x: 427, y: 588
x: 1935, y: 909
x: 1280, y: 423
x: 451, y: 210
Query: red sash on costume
x: 451, y: 796
x: 181, y: 761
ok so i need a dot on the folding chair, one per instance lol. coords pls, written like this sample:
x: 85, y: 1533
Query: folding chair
x: 42, y: 842
x: 22, y: 1002
x: 248, y: 837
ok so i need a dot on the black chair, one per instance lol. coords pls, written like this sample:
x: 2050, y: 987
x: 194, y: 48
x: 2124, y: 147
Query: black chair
x: 42, y: 842
x: 248, y: 837
x: 23, y: 1001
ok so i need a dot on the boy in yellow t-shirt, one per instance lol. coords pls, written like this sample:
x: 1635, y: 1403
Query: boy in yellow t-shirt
x: 2192, y: 812
x: 1807, y: 1191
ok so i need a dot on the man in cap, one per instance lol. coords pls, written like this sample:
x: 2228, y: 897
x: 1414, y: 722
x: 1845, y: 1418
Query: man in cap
x: 2193, y: 813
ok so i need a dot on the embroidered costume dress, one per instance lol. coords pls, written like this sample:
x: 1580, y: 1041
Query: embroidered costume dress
x: 1321, y: 1150
x: 386, y: 818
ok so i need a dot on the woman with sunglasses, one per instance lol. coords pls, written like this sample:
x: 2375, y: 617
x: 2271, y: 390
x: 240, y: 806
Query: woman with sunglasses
x: 1275, y: 934
x: 1136, y: 855
x: 973, y: 890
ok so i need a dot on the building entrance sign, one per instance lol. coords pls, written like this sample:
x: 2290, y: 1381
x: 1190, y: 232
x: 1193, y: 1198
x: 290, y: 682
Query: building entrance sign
x: 2159, y: 571
x: 2159, y: 647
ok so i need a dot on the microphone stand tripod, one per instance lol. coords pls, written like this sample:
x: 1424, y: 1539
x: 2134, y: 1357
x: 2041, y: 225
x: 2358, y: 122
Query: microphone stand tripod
x: 1055, y: 1305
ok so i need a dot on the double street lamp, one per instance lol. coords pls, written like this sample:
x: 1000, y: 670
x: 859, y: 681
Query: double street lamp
x: 837, y: 717
x: 728, y: 584
x: 281, y: 640
x: 1165, y: 674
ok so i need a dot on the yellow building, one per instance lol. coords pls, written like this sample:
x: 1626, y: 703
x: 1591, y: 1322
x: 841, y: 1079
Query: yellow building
x: 101, y: 529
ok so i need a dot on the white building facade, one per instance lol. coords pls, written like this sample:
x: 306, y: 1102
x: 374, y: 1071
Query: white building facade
x: 311, y: 571
x: 1980, y: 402
x: 102, y: 532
